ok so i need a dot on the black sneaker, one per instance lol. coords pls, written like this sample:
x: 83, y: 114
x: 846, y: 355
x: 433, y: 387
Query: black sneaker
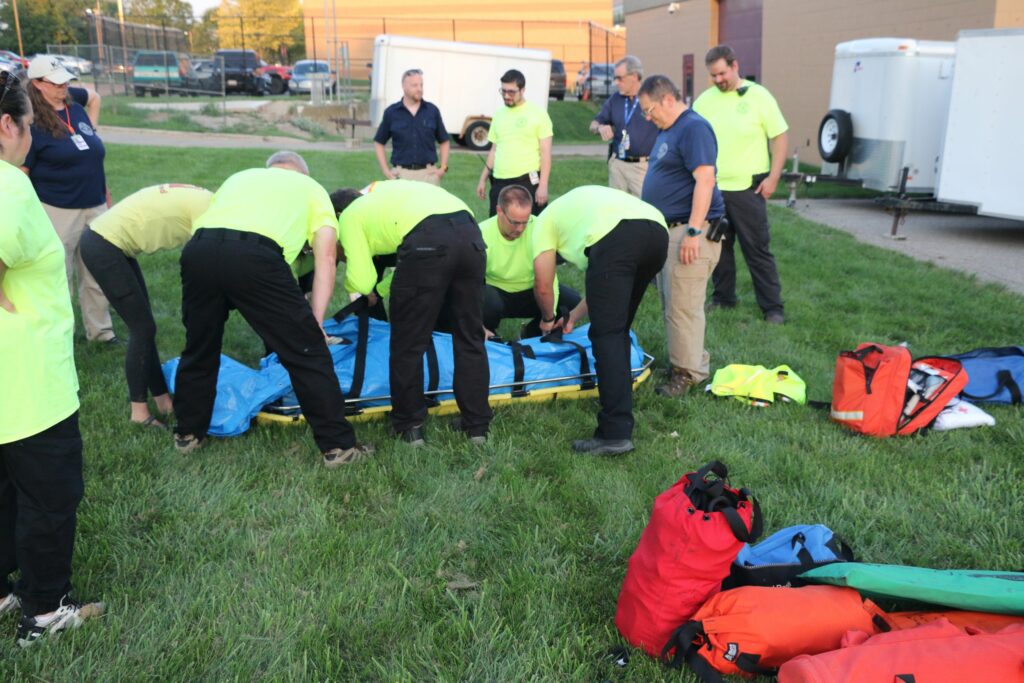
x: 186, y: 443
x: 456, y: 426
x: 71, y: 614
x: 775, y: 318
x: 598, y: 446
x: 413, y: 437
x: 336, y: 457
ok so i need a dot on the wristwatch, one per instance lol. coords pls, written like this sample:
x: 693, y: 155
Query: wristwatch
x: 692, y: 231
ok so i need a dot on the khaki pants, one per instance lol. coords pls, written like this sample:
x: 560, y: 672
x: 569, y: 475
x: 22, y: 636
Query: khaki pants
x: 69, y: 224
x: 683, y: 290
x: 625, y: 176
x: 426, y: 175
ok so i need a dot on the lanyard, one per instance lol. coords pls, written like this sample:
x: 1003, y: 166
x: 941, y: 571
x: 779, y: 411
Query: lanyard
x: 628, y: 111
x: 68, y: 115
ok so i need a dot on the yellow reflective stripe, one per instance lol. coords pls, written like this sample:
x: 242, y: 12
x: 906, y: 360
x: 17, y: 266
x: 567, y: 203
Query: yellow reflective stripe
x: 848, y: 415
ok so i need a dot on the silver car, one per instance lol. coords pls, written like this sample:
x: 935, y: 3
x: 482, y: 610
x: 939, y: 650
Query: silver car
x: 310, y: 73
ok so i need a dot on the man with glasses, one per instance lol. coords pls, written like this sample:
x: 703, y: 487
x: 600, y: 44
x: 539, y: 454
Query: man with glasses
x: 747, y: 120
x: 509, y: 276
x: 414, y: 126
x: 629, y: 134
x: 681, y: 184
x: 520, y: 137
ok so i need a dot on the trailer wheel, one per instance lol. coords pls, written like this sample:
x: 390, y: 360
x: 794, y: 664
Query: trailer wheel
x: 476, y: 136
x: 835, y: 135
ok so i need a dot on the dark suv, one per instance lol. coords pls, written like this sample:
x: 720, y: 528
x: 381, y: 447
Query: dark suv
x: 239, y: 71
x: 556, y: 88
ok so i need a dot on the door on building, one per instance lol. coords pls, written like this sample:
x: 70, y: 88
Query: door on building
x: 739, y: 27
x: 688, y: 79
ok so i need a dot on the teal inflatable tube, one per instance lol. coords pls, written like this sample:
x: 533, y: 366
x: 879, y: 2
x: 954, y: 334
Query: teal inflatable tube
x: 968, y: 589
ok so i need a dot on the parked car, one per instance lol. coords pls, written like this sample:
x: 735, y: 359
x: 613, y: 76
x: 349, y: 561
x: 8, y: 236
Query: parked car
x: 556, y: 88
x: 81, y: 64
x: 596, y: 81
x: 310, y: 73
x: 8, y: 65
x: 240, y: 68
x: 203, y: 77
x: 159, y: 71
x: 14, y: 57
x: 275, y: 78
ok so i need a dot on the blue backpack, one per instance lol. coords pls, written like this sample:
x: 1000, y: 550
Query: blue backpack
x: 778, y: 559
x: 995, y: 375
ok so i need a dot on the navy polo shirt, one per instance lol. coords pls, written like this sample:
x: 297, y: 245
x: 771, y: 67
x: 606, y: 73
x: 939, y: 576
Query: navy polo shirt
x: 63, y: 175
x: 642, y: 132
x: 412, y: 137
x: 686, y: 144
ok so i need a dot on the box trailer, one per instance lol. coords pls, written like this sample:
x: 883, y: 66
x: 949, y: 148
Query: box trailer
x: 982, y: 142
x: 887, y: 112
x: 462, y: 79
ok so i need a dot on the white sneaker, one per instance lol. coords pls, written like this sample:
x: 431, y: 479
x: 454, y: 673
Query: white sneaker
x: 69, y: 615
x: 9, y: 603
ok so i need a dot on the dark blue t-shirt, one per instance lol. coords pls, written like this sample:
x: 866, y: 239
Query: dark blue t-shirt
x: 63, y: 175
x: 413, y: 137
x: 615, y: 112
x: 688, y: 143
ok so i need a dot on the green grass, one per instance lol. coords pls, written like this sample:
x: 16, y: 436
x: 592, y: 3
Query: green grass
x: 571, y: 121
x: 249, y: 561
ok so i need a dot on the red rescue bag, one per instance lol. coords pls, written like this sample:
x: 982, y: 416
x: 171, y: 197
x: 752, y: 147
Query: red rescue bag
x: 697, y: 528
x: 752, y: 630
x: 936, y: 651
x: 879, y: 391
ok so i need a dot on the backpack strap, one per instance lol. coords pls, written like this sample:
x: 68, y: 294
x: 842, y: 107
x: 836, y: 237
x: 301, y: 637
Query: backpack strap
x: 1006, y: 381
x: 686, y: 649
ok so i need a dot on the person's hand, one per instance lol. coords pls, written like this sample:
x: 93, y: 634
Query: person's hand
x: 372, y: 298
x: 391, y: 174
x: 546, y: 328
x: 575, y: 316
x: 481, y: 189
x: 487, y: 334
x: 7, y: 304
x: 689, y: 249
x: 767, y: 187
x: 542, y: 194
x: 440, y: 171
x: 606, y: 132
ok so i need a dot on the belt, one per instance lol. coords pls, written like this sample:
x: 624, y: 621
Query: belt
x: 414, y: 167
x: 229, y: 235
x: 633, y: 160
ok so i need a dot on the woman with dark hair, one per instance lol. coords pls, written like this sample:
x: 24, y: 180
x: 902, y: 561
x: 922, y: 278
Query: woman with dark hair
x: 40, y: 445
x: 65, y: 165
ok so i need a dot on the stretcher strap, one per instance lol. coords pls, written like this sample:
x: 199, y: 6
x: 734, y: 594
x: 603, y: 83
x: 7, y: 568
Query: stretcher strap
x: 433, y: 373
x: 586, y: 378
x: 519, y: 367
x: 361, y: 308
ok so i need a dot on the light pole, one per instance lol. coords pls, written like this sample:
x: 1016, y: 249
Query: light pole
x: 17, y: 29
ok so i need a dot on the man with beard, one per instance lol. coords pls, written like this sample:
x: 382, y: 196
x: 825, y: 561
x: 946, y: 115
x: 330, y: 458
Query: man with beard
x: 414, y: 126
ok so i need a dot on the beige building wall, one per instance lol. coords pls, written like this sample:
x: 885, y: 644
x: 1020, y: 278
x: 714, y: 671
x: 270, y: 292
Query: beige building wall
x: 799, y: 39
x: 798, y: 42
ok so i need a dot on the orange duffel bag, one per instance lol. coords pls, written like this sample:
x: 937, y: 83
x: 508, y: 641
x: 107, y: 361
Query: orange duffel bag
x: 752, y: 630
x: 979, y: 621
x: 934, y: 652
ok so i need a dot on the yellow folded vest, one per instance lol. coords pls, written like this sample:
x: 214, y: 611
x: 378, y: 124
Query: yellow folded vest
x: 759, y: 386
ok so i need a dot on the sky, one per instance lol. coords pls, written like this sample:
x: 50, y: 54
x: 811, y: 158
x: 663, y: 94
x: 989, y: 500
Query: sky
x: 200, y: 6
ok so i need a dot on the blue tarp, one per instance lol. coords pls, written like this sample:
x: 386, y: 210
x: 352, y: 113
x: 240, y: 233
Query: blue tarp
x: 243, y: 391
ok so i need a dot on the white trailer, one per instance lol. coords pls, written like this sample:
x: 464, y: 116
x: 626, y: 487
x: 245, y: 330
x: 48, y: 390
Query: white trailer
x: 982, y: 143
x: 462, y: 79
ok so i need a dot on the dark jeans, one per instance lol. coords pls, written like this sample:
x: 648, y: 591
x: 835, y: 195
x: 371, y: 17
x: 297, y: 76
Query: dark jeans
x: 748, y: 220
x: 226, y: 269
x: 621, y: 264
x: 122, y: 283
x: 523, y: 181
x: 40, y: 488
x: 441, y: 262
x: 499, y: 304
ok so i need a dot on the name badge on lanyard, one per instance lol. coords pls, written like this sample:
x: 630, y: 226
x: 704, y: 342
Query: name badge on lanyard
x: 77, y: 139
x: 627, y: 115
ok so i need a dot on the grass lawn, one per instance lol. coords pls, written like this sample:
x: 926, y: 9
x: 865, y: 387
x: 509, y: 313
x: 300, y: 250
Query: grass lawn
x: 249, y: 561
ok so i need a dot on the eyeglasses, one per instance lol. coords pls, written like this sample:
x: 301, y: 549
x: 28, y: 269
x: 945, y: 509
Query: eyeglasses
x: 647, y: 112
x: 9, y: 83
x: 508, y: 91
x: 517, y: 224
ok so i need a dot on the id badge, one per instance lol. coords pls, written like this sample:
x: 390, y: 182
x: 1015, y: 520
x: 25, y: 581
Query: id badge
x: 80, y: 142
x: 623, y: 145
x: 534, y: 178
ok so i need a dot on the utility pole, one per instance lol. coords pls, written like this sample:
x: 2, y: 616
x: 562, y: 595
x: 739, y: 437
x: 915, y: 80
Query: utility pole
x: 17, y: 29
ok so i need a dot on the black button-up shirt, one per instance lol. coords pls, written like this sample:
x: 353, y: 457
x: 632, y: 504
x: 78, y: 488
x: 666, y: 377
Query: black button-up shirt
x: 641, y: 131
x: 412, y: 137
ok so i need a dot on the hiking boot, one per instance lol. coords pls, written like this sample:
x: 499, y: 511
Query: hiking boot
x: 413, y: 437
x: 678, y: 384
x: 9, y: 603
x: 69, y: 615
x: 599, y: 446
x: 336, y: 457
x: 186, y: 443
x: 775, y: 318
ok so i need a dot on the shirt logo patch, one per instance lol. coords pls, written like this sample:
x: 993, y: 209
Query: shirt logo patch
x: 662, y: 150
x: 743, y: 107
x: 85, y: 128
x: 521, y: 123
